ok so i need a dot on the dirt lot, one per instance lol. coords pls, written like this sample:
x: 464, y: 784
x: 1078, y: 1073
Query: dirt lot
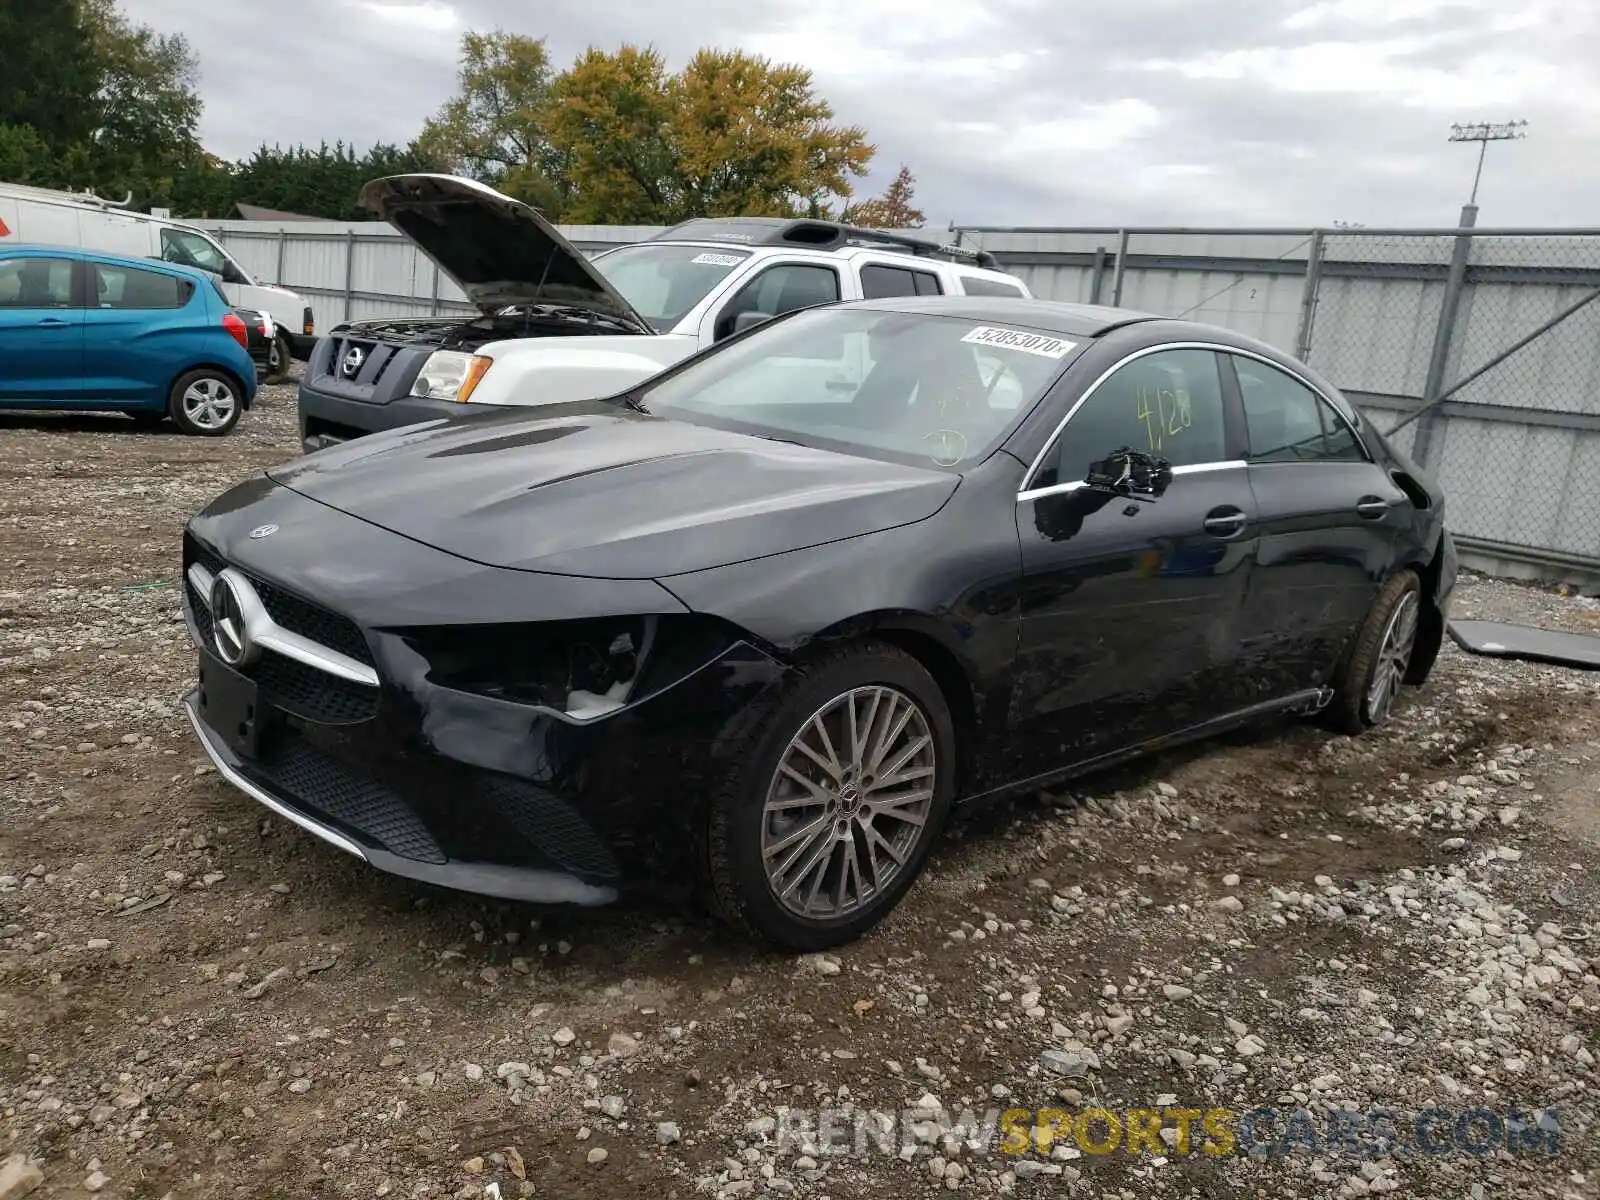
x: 198, y: 1000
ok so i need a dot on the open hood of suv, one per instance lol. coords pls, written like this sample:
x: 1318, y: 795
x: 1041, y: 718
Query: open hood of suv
x: 499, y: 251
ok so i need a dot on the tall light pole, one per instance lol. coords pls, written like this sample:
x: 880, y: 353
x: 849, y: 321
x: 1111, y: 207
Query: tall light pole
x: 1484, y: 132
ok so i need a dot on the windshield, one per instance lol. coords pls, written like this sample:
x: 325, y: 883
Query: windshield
x: 190, y: 249
x: 911, y: 387
x: 663, y: 282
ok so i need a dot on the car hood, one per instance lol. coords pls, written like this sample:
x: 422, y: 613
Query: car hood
x: 604, y: 492
x: 499, y: 251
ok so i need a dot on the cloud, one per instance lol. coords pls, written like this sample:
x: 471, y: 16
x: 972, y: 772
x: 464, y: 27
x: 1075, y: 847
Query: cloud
x: 428, y: 17
x: 1021, y: 111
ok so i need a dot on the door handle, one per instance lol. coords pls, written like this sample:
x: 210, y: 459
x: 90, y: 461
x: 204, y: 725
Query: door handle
x: 1225, y: 522
x: 1372, y: 508
x: 53, y: 323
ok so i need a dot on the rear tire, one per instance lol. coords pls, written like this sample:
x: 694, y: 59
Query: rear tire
x: 816, y: 835
x: 280, y: 358
x: 1369, y: 680
x: 205, y: 403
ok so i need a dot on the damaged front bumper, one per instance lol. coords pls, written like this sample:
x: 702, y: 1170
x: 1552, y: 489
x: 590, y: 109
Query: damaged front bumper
x: 448, y: 787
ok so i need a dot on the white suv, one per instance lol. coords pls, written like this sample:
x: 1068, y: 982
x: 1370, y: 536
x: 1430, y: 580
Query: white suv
x: 556, y: 326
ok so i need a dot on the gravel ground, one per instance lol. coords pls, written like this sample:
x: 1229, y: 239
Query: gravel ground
x: 198, y: 1000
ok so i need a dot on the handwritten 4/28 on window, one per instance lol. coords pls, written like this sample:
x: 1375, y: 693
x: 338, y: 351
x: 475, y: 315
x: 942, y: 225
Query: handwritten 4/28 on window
x: 1165, y: 413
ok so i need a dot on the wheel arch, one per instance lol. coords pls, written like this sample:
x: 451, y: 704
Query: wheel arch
x: 1430, y: 623
x: 934, y: 647
x: 219, y: 368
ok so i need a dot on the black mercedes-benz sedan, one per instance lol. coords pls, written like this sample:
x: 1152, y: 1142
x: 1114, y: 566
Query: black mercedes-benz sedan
x: 751, y: 629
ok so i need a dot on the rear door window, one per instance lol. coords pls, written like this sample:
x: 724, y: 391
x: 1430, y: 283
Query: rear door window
x: 878, y: 281
x: 1287, y: 421
x: 36, y: 283
x: 133, y: 288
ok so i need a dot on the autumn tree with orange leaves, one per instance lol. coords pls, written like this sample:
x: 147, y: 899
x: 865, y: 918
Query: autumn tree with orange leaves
x: 618, y: 138
x: 892, y: 210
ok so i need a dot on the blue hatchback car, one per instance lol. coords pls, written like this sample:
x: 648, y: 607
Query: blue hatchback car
x: 95, y: 331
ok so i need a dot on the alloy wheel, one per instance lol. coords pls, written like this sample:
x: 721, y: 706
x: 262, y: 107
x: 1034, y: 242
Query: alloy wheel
x: 1394, y: 656
x: 209, y: 403
x: 849, y: 800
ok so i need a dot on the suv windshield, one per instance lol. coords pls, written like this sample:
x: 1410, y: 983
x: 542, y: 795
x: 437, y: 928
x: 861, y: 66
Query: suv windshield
x: 911, y: 387
x: 663, y: 282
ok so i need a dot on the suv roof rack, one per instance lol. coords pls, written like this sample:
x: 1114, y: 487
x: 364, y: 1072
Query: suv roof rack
x: 817, y: 234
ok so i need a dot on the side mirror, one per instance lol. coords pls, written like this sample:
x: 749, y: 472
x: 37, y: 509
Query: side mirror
x: 1132, y: 473
x: 749, y: 320
x: 231, y: 273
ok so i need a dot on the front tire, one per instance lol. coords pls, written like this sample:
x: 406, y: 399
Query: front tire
x: 205, y: 403
x: 1369, y: 680
x: 280, y: 357
x: 832, y: 807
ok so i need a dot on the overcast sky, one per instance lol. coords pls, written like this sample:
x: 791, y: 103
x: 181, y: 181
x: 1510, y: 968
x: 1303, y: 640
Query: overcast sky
x: 1036, y: 112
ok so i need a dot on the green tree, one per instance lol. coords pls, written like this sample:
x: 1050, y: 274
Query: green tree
x: 321, y: 182
x: 24, y: 157
x: 147, y: 110
x: 756, y: 140
x: 614, y: 120
x: 895, y: 209
x: 617, y: 137
x: 48, y: 83
x: 493, y: 128
x: 147, y: 104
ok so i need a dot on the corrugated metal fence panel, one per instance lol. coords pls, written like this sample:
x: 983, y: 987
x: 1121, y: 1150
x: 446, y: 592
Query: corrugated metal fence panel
x: 1258, y: 305
x: 1061, y: 282
x: 307, y: 264
x: 365, y: 270
x: 609, y: 235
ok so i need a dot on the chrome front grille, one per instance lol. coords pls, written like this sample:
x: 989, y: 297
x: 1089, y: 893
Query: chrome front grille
x: 307, y: 660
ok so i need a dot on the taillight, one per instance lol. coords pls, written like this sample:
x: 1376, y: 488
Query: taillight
x: 235, y: 326
x: 308, y: 327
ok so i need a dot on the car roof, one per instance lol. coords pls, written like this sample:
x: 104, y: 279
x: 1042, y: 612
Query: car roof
x: 161, y: 265
x: 11, y: 249
x: 1052, y: 316
x: 818, y: 234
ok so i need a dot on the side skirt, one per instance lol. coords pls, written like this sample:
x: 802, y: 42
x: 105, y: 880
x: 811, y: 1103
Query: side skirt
x: 1303, y: 703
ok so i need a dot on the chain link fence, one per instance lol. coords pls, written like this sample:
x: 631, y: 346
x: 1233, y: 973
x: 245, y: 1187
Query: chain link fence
x: 1478, y: 349
x: 1482, y: 352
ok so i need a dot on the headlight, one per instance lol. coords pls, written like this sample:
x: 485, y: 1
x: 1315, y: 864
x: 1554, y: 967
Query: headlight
x: 450, y: 375
x: 581, y: 669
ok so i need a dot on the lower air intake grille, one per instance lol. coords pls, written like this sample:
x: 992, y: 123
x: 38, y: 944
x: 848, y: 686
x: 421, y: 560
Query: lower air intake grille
x: 550, y: 824
x: 311, y: 780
